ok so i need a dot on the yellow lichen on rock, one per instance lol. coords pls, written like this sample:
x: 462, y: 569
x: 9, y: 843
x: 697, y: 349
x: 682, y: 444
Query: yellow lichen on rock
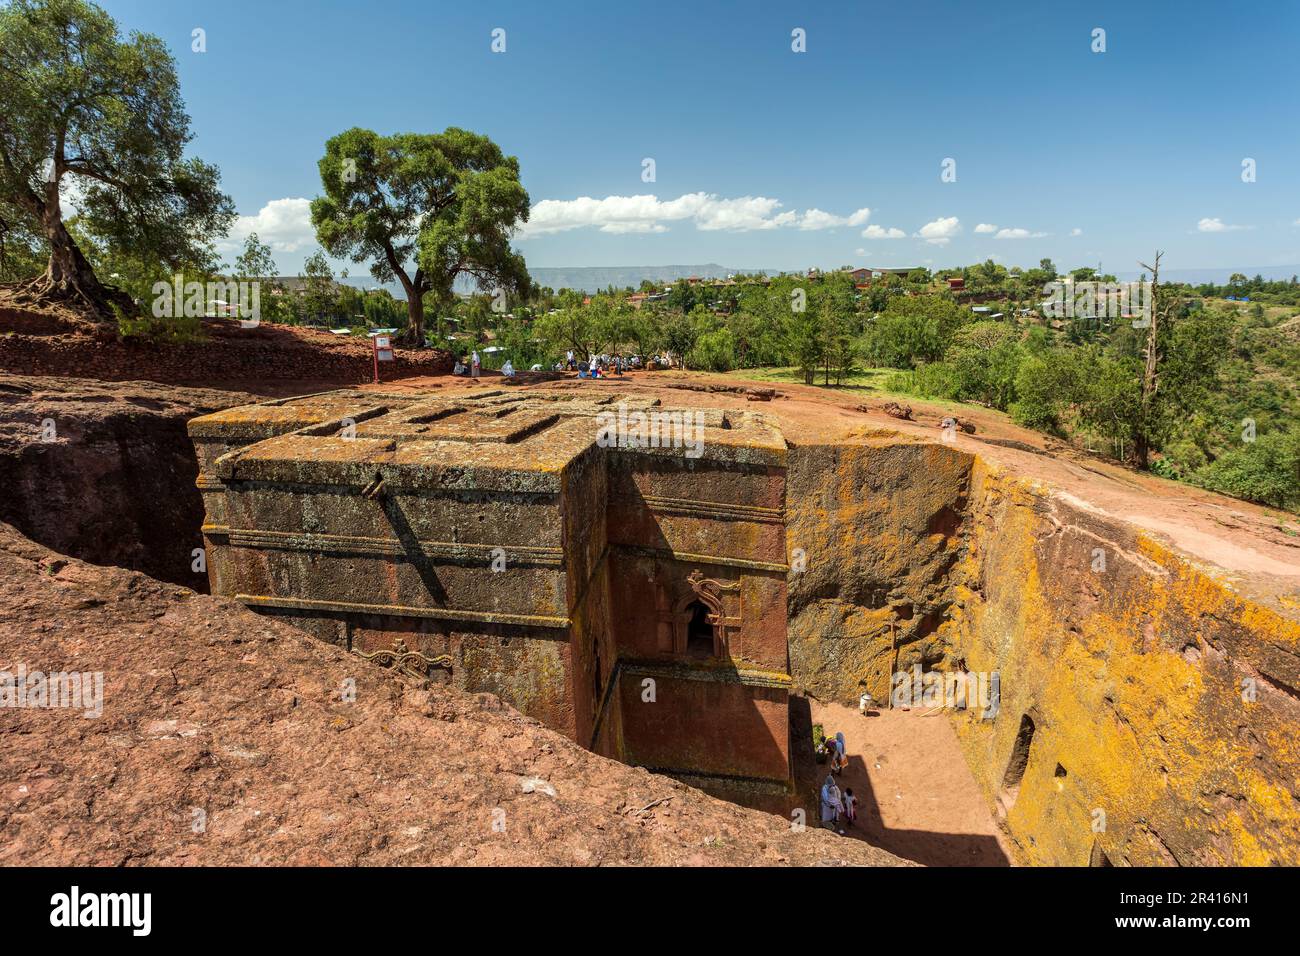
x: 1147, y: 711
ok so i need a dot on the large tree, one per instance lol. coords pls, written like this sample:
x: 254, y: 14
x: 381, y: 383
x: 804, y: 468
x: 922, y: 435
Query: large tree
x: 96, y: 119
x: 423, y: 208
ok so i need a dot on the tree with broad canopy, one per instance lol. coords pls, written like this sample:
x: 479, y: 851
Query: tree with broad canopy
x: 445, y: 203
x: 89, y: 117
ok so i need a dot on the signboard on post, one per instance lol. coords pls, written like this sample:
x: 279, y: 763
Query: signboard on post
x: 383, y: 349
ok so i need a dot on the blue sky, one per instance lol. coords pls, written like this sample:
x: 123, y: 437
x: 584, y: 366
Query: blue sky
x: 764, y: 158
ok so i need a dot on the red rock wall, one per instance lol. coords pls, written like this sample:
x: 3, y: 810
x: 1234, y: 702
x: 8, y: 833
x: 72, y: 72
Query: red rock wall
x: 708, y: 727
x: 266, y: 354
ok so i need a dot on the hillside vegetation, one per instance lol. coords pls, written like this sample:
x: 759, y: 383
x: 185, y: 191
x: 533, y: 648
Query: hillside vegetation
x: 1222, y: 413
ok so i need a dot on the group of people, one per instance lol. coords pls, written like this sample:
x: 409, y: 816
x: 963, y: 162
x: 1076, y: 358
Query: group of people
x: 474, y: 368
x: 598, y: 366
x: 838, y: 806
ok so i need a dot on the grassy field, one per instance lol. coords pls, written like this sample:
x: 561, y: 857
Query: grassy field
x: 1273, y: 314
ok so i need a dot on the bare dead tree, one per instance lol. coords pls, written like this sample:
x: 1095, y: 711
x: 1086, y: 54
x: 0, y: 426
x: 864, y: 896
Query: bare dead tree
x: 1151, y: 373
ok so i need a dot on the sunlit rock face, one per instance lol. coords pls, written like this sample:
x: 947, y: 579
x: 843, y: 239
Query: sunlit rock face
x: 1163, y: 705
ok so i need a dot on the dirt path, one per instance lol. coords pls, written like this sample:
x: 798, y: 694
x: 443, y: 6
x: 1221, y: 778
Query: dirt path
x: 916, y: 798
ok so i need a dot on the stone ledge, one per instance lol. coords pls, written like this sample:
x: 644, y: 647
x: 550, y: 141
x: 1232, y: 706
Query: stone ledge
x: 402, y: 610
x: 716, y: 674
x: 450, y: 551
x: 687, y: 557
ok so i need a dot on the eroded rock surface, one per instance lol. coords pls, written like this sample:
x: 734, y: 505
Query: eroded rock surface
x: 267, y: 359
x: 105, y: 471
x: 215, y: 715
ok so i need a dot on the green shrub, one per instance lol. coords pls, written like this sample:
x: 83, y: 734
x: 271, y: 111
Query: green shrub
x: 713, y: 352
x: 1045, y: 385
x: 985, y: 357
x: 900, y: 341
x: 1266, y: 470
x: 903, y: 382
x: 1166, y: 468
x: 937, y: 380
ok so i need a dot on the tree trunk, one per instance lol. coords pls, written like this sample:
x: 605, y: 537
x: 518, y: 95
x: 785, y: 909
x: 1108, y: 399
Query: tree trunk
x: 68, y: 275
x: 1151, y: 372
x: 68, y: 271
x: 1141, y: 452
x: 414, y: 289
x: 415, y: 318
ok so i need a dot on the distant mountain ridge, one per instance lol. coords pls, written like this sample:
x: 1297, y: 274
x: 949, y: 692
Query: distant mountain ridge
x: 582, y: 278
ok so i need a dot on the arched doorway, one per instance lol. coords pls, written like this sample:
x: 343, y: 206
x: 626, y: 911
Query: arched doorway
x: 699, y: 631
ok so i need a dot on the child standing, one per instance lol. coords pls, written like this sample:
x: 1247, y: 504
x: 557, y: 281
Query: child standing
x: 850, y: 804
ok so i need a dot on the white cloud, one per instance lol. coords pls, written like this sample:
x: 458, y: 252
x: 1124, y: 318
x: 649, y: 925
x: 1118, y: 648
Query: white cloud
x: 1216, y: 225
x: 746, y: 214
x: 940, y: 231
x: 880, y: 232
x: 614, y: 214
x: 283, y: 224
x: 1076, y: 231
x: 816, y: 219
x: 649, y: 214
x: 634, y: 227
x: 1011, y: 232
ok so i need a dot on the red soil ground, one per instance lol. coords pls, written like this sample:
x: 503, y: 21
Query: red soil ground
x: 276, y: 360
x: 916, y: 796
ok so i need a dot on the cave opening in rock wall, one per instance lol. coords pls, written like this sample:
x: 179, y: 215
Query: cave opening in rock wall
x: 1018, y: 762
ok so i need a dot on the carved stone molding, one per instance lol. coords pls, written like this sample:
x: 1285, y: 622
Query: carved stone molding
x: 409, y: 662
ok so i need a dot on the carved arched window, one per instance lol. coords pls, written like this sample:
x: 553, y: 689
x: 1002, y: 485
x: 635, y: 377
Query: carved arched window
x: 701, y: 625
